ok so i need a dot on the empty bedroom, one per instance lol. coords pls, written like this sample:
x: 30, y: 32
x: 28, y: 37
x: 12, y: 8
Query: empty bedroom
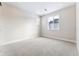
x: 38, y: 29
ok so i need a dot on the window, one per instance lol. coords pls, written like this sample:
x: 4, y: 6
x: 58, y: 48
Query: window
x: 53, y: 23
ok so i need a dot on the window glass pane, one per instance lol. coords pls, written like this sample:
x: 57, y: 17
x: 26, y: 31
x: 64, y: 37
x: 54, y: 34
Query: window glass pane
x: 53, y: 23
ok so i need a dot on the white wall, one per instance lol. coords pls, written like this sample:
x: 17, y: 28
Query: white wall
x: 67, y: 25
x: 1, y: 26
x: 77, y: 25
x: 17, y: 25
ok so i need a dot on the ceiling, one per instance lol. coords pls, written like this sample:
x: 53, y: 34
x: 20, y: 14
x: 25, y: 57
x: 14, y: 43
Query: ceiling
x: 38, y: 7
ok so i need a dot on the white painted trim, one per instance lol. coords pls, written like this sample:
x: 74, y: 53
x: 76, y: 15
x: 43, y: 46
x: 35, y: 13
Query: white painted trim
x: 10, y: 42
x: 68, y: 40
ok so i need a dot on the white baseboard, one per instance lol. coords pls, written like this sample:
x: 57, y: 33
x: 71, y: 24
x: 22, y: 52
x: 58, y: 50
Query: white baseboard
x: 68, y: 40
x: 10, y: 42
x: 13, y: 41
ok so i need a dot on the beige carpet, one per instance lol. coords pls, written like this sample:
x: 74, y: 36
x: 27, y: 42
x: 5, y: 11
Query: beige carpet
x: 39, y: 47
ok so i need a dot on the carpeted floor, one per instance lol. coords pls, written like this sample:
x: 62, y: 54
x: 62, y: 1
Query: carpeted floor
x: 39, y: 47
